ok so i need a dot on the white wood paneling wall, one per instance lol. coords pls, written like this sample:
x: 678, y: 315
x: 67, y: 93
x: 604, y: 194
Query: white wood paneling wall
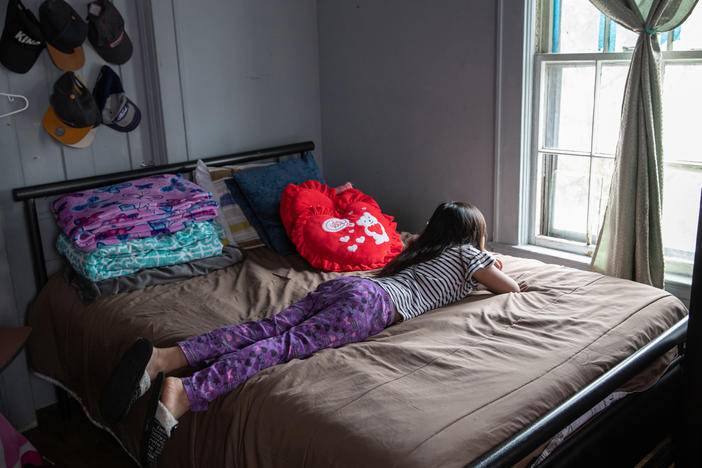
x: 30, y: 156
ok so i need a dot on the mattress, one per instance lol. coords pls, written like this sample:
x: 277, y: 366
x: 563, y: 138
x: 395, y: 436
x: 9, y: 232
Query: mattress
x: 437, y: 390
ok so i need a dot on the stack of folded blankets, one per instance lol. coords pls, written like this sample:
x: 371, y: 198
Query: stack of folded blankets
x: 151, y: 222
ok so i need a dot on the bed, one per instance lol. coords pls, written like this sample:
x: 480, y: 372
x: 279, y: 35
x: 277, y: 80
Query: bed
x: 487, y: 381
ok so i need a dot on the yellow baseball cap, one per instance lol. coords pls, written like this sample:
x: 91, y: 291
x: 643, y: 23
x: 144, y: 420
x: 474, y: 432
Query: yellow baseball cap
x: 61, y: 131
x: 72, y: 112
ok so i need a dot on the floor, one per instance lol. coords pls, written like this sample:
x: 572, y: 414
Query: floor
x: 660, y: 457
x: 75, y: 442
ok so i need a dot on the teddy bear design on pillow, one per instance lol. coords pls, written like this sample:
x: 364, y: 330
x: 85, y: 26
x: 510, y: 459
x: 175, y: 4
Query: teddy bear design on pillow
x: 370, y: 223
x: 371, y: 226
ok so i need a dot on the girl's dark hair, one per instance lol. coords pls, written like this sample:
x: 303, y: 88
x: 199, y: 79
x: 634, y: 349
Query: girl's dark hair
x: 452, y: 223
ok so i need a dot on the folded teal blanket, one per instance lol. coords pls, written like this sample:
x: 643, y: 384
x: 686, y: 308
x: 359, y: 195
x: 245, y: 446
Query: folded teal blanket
x: 196, y: 241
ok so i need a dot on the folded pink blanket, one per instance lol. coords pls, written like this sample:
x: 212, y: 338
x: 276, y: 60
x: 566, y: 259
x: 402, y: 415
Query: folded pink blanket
x: 159, y: 204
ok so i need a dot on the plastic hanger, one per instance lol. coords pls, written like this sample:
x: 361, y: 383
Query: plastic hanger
x: 11, y: 98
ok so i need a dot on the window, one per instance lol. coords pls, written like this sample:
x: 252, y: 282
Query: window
x: 580, y: 70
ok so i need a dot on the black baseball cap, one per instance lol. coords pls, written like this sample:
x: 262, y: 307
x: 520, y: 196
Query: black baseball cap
x: 117, y: 110
x: 106, y: 32
x: 22, y: 40
x: 65, y: 32
x: 72, y: 114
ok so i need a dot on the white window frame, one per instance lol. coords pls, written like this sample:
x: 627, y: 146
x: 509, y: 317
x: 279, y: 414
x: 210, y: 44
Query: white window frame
x: 515, y: 171
x: 597, y: 59
x: 540, y: 60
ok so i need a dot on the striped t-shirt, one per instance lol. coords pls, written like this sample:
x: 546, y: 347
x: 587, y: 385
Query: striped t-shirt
x: 435, y: 283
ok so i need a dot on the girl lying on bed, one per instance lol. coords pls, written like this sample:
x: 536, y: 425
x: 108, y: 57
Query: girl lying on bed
x: 441, y: 266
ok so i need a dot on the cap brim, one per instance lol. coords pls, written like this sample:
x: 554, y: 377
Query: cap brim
x: 129, y: 122
x: 87, y: 140
x: 66, y: 134
x: 68, y: 62
x: 17, y: 58
x: 116, y: 55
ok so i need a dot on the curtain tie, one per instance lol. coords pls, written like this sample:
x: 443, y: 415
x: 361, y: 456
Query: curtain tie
x: 650, y: 31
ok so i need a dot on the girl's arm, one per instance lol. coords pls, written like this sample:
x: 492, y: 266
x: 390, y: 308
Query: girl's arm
x: 495, y: 280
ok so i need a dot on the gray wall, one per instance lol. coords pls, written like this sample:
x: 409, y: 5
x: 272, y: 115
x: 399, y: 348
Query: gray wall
x: 408, y: 101
x: 237, y: 75
x: 211, y: 77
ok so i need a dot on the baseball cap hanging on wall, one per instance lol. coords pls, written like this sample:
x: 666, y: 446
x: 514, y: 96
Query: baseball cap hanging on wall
x: 72, y: 116
x: 22, y: 40
x: 117, y: 110
x: 65, y: 32
x: 106, y: 32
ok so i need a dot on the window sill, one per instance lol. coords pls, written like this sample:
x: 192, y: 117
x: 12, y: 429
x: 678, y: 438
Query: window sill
x: 677, y: 285
x: 544, y: 254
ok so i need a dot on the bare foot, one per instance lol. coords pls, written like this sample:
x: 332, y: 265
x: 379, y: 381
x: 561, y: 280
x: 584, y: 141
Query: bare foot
x: 165, y: 360
x: 174, y: 397
x: 153, y: 366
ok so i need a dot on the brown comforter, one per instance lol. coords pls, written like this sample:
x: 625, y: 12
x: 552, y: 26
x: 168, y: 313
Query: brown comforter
x: 438, y: 390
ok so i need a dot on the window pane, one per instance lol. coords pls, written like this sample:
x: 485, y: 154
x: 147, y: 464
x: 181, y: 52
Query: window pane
x: 681, y: 204
x: 566, y: 106
x: 569, y: 187
x: 579, y: 27
x: 624, y: 39
x: 690, y: 32
x: 609, y: 106
x: 682, y: 101
x: 600, y: 180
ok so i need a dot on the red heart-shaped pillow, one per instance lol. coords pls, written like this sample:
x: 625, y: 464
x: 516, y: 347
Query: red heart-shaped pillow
x: 344, y: 232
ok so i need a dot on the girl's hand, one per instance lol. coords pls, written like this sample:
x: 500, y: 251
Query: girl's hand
x: 498, y: 264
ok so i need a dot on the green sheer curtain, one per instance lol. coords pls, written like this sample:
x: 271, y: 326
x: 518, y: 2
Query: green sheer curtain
x: 630, y: 243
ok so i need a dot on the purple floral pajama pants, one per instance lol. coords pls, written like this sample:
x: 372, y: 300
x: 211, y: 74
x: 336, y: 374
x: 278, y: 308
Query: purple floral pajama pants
x: 343, y: 310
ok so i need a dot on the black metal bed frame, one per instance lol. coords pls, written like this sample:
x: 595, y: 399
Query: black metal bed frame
x: 29, y: 194
x: 684, y: 379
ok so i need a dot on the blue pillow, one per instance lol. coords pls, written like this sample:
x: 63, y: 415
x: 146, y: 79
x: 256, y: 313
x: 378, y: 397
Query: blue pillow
x: 258, y: 192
